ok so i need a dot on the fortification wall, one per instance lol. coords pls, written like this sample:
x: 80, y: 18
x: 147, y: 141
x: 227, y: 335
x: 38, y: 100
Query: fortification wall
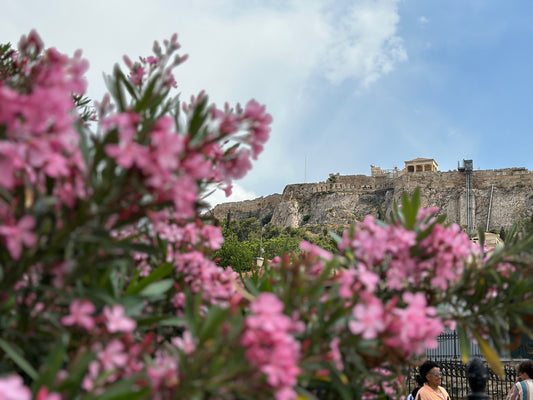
x: 509, y: 177
x: 258, y: 208
x: 350, y: 198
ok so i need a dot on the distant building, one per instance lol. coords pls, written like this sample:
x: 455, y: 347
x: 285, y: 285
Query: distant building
x: 416, y: 165
x: 421, y: 165
x: 378, y: 171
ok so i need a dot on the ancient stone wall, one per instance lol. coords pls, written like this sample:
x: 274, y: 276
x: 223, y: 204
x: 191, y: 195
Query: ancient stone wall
x: 258, y: 208
x: 499, y: 198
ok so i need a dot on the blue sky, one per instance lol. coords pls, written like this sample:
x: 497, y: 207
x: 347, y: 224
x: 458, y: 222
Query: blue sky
x: 348, y: 83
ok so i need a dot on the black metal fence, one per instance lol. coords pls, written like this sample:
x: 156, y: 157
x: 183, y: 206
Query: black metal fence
x: 455, y: 380
x: 455, y: 373
x: 449, y: 348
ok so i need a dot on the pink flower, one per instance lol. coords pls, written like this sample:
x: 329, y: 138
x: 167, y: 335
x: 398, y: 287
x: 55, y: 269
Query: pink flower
x: 128, y: 154
x: 56, y: 165
x: 167, y: 145
x: 113, y: 356
x: 116, y: 321
x: 271, y: 348
x: 369, y: 319
x: 186, y: 343
x: 335, y: 354
x: 316, y: 251
x: 415, y: 327
x: 18, y: 235
x: 212, y: 237
x: 12, y: 388
x: 80, y: 314
x: 43, y: 394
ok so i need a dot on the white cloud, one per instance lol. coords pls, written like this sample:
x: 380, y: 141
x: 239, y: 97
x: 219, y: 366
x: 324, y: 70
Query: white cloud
x: 238, y: 194
x: 423, y: 20
x: 271, y: 51
x: 363, y: 42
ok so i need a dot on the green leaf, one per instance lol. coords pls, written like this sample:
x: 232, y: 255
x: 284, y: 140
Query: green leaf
x: 490, y: 355
x: 157, y: 288
x: 157, y: 274
x: 18, y: 359
x: 464, y: 344
x: 215, y: 316
x: 192, y: 311
x: 410, y: 208
x: 124, y: 389
x: 52, y: 364
x: 197, y: 120
x: 304, y: 394
x: 148, y: 94
x: 338, y: 383
x: 77, y: 372
x: 127, y: 83
x: 118, y: 92
x: 164, y: 320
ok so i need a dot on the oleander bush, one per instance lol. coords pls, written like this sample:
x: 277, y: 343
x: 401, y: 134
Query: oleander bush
x: 108, y: 284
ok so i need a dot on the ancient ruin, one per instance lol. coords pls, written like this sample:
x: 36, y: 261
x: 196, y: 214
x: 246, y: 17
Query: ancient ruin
x: 490, y: 199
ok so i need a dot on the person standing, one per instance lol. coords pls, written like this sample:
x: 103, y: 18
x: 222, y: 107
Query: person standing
x: 523, y: 388
x: 431, y: 390
x: 419, y: 384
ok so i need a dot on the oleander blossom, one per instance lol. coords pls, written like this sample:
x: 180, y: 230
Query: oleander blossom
x: 270, y: 346
x: 40, y: 139
x: 17, y: 235
x: 414, y: 327
x: 218, y: 285
x: 387, y: 250
x: 12, y: 388
x: 116, y: 320
x: 444, y: 253
x: 80, y: 314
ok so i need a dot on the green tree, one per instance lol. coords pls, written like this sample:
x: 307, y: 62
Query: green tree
x: 236, y: 254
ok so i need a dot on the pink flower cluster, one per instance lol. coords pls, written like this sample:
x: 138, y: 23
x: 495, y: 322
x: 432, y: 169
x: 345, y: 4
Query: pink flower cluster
x: 113, y: 317
x: 39, y: 142
x: 218, y: 285
x: 386, y: 251
x: 111, y: 333
x: 271, y: 347
x: 171, y: 163
x: 249, y: 130
x: 389, y: 258
x: 444, y: 253
x: 12, y: 388
x: 413, y: 328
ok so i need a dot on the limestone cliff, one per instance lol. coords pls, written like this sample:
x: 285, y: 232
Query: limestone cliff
x: 506, y: 193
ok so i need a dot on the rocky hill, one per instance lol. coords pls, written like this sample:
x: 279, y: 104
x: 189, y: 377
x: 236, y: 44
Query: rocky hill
x: 492, y: 199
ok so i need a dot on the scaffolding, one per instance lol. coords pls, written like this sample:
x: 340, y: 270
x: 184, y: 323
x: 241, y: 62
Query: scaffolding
x: 468, y: 169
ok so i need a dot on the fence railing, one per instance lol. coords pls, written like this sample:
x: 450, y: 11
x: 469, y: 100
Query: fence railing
x: 449, y: 348
x: 455, y: 373
x: 455, y: 380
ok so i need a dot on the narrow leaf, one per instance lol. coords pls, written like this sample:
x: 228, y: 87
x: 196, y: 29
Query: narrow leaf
x: 160, y: 272
x: 157, y: 288
x: 490, y: 355
x: 464, y: 344
x: 214, y: 318
x: 18, y: 359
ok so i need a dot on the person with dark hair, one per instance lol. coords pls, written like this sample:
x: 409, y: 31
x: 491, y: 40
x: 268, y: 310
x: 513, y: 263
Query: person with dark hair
x: 523, y: 388
x: 419, y: 384
x: 431, y: 375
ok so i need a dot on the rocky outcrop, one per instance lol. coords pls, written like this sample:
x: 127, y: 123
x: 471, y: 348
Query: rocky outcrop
x: 262, y: 207
x: 497, y: 198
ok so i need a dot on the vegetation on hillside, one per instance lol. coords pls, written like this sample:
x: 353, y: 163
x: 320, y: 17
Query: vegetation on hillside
x: 247, y: 239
